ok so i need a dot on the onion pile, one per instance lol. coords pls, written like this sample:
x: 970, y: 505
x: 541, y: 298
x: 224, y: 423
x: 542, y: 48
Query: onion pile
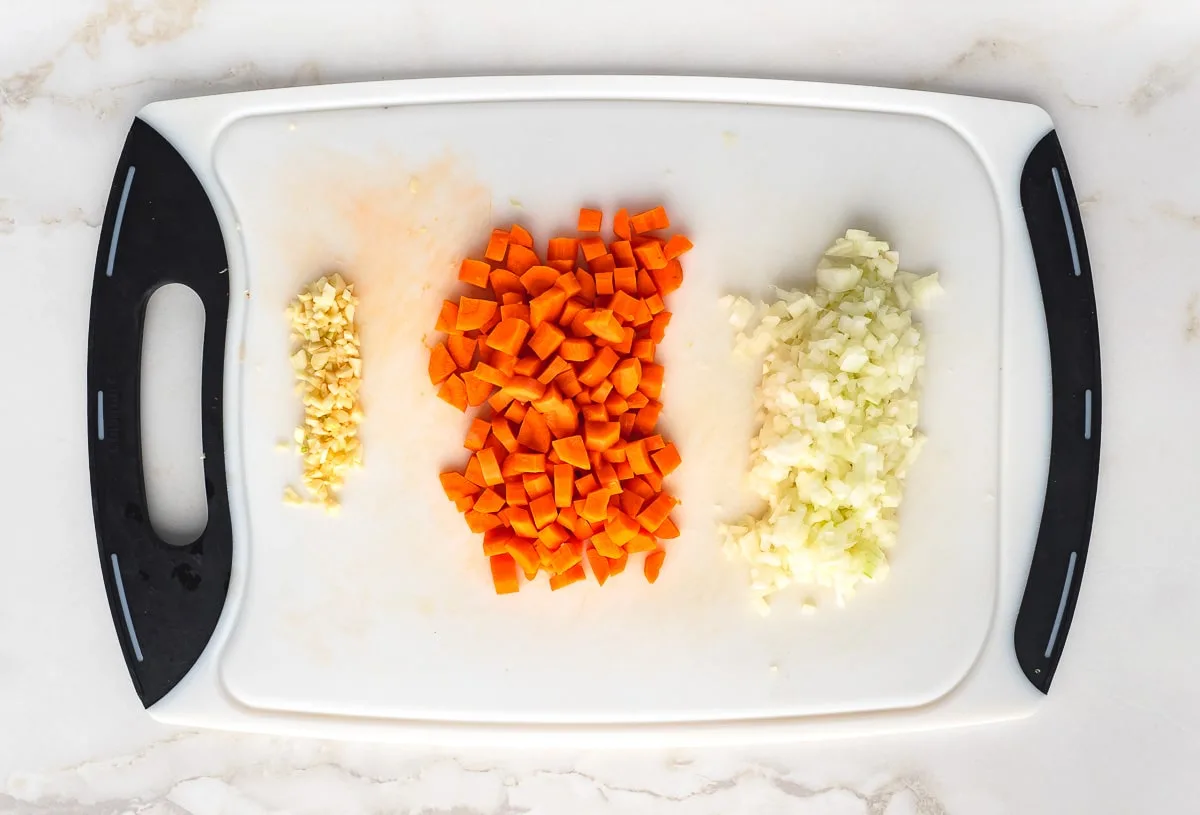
x: 839, y: 410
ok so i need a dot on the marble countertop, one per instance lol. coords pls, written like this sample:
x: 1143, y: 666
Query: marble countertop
x: 1121, y: 729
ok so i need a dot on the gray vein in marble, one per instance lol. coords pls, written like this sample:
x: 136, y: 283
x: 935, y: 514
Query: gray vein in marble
x: 985, y: 53
x: 1191, y: 326
x: 1166, y: 79
x: 199, y: 773
x: 156, y: 22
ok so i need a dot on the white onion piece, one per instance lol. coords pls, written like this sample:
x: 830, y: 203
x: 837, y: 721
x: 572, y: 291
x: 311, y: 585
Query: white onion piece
x: 838, y: 406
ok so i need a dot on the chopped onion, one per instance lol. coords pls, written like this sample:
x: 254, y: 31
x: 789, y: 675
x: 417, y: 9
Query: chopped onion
x: 839, y: 412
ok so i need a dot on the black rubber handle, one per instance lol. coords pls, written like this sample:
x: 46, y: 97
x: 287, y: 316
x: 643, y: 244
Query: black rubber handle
x: 1065, y: 274
x: 159, y: 228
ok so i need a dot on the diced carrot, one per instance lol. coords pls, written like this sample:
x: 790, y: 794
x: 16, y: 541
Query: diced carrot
x: 622, y: 252
x: 654, y: 563
x: 652, y: 517
x: 668, y: 278
x: 605, y: 325
x: 646, y: 286
x: 641, y: 314
x: 509, y: 335
x: 652, y: 380
x: 676, y: 246
x: 480, y: 521
x: 553, y: 536
x: 474, y: 473
x: 651, y: 257
x: 654, y: 480
x: 546, y: 339
x: 627, y: 376
x: 490, y: 466
x: 462, y: 350
x: 474, y: 313
x: 600, y: 435
x: 539, y: 279
x: 562, y: 249
x: 475, y: 272
x: 637, y: 400
x: 654, y: 442
x: 668, y: 530
x: 441, y: 364
x: 607, y: 476
x: 604, y: 544
x: 566, y: 555
x: 647, y: 417
x: 524, y: 388
x: 615, y: 404
x: 522, y: 522
x: 517, y: 463
x: 497, y: 245
x: 622, y: 529
x: 534, y: 433
x: 573, y: 451
x: 627, y: 420
x: 524, y: 554
x: 477, y: 434
x: 448, y: 317
x: 650, y: 220
x: 547, y: 306
x: 577, y: 350
x: 667, y: 460
x: 456, y: 485
x: 520, y: 259
x: 502, y: 432
x: 587, y: 285
x: 625, y: 279
x: 604, y: 283
x: 504, y: 574
x: 631, y: 502
x: 528, y: 365
x: 590, y: 220
x: 624, y: 471
x: 599, y: 367
x: 514, y: 494
x: 543, y: 509
x: 641, y: 543
x: 599, y: 565
x: 489, y: 501
x: 520, y: 236
x: 513, y: 311
x: 643, y: 350
x: 593, y: 248
x: 536, y: 485
x: 567, y: 577
x: 454, y: 391
x: 594, y: 413
x: 495, y: 538
x: 639, y: 459
x: 621, y: 224
x: 601, y: 392
x: 569, y: 283
x: 605, y: 264
x: 505, y: 282
x: 564, y: 484
x: 595, y: 506
x: 516, y: 412
x: 554, y: 369
x: 658, y: 326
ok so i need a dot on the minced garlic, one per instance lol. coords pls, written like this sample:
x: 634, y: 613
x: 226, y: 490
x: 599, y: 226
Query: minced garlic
x: 328, y: 369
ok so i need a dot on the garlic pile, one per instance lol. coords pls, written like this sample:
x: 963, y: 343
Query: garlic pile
x: 328, y: 370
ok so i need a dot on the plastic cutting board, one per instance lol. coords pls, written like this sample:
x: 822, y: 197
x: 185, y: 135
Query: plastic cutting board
x: 381, y: 622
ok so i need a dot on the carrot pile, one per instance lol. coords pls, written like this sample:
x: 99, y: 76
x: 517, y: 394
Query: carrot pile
x: 558, y: 357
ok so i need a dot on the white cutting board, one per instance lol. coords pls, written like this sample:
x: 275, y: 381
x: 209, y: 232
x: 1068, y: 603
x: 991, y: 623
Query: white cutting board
x: 382, y: 623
